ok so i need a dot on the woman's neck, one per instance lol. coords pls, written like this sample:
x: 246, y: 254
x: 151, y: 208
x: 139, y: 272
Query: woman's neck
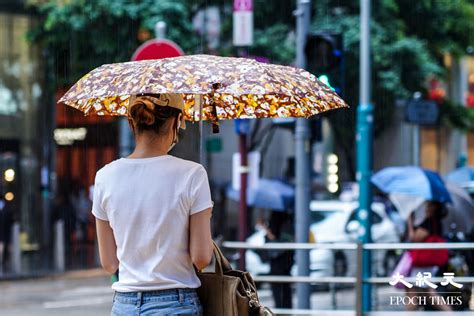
x: 150, y: 145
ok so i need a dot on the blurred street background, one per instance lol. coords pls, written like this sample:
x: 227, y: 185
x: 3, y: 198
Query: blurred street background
x: 419, y: 81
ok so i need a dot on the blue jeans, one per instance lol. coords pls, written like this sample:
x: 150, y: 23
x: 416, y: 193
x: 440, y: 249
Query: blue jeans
x: 164, y: 302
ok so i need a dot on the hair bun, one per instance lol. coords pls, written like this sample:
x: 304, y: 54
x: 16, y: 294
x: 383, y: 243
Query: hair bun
x: 142, y: 111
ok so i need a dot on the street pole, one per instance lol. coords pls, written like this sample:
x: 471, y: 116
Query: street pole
x: 416, y: 145
x: 416, y: 136
x: 48, y: 154
x: 243, y: 194
x: 364, y: 140
x: 160, y: 30
x: 303, y: 172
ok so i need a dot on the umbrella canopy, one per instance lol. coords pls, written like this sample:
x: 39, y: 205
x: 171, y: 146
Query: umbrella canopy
x: 214, y: 87
x: 461, y: 175
x: 460, y: 216
x: 413, y: 181
x: 407, y: 204
x: 461, y: 211
x: 270, y: 194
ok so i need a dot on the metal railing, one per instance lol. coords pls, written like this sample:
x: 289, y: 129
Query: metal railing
x: 357, y: 280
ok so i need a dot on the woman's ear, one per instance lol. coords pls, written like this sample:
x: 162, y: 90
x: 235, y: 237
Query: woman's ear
x: 130, y: 124
x: 179, y: 121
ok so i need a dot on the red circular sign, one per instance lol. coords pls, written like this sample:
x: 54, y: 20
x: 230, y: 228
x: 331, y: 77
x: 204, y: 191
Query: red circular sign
x: 157, y: 49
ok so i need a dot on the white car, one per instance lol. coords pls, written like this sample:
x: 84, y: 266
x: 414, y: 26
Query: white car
x: 336, y: 222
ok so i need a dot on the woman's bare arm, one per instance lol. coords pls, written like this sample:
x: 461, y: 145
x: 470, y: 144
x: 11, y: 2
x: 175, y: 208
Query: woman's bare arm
x: 107, y: 246
x: 200, y: 239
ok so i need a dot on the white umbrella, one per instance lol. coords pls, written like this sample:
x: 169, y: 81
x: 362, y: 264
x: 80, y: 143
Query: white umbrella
x: 407, y: 204
x: 460, y: 217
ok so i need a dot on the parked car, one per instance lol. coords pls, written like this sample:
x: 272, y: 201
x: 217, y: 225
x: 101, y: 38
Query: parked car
x: 336, y: 222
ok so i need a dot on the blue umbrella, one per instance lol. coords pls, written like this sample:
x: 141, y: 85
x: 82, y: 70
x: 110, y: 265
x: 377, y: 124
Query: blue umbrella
x: 413, y: 181
x: 461, y: 175
x: 270, y: 194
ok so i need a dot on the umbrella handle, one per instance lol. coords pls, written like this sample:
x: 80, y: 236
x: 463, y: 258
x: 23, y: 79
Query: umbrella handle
x: 215, y: 127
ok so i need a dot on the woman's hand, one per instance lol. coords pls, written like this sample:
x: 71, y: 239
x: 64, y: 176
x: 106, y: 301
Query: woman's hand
x: 418, y: 234
x: 410, y: 221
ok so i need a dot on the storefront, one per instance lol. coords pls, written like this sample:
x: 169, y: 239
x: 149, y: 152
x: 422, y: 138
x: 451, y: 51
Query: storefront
x: 21, y: 135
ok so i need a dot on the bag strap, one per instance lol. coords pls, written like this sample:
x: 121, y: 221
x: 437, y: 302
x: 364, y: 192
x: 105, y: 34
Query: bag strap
x: 222, y: 264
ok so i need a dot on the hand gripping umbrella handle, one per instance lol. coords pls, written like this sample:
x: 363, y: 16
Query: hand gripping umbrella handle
x: 215, y: 119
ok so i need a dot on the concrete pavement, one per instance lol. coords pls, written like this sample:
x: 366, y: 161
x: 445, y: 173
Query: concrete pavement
x: 79, y: 293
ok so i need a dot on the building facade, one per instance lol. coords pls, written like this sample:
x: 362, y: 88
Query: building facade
x: 22, y: 118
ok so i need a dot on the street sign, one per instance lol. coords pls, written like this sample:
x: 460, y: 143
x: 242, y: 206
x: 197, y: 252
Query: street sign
x: 207, y: 21
x: 243, y: 23
x: 213, y: 145
x: 252, y: 170
x: 242, y: 126
x: 157, y: 49
x: 422, y: 112
x: 243, y: 5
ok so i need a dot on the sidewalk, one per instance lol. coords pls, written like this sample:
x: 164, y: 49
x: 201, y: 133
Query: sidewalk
x: 76, y: 293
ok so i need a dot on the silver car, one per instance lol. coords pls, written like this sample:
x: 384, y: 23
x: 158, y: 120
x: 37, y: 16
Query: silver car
x: 336, y: 222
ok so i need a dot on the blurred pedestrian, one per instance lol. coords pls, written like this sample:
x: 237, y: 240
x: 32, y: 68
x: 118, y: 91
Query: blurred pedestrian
x: 82, y: 206
x: 431, y: 226
x: 63, y: 210
x: 6, y: 221
x: 281, y: 260
x: 153, y: 216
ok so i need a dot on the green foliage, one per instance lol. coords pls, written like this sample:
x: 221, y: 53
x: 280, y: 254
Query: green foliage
x: 407, y: 40
x: 275, y: 37
x: 85, y: 34
x: 457, y: 116
x: 445, y: 24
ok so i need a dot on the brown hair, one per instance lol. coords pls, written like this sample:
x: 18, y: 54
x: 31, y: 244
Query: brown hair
x: 145, y: 115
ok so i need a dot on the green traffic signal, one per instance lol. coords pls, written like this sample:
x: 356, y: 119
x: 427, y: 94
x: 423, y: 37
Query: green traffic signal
x: 325, y: 79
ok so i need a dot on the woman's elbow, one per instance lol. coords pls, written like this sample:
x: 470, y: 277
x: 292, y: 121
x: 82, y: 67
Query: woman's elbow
x: 110, y: 268
x: 202, y: 260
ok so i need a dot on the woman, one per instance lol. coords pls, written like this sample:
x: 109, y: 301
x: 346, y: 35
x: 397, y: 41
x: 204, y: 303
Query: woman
x: 153, y: 216
x: 430, y: 226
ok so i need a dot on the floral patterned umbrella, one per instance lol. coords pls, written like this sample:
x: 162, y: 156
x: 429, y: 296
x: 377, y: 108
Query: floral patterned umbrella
x: 214, y: 87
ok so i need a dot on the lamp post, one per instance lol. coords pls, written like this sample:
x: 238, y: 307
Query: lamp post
x: 364, y: 142
x: 303, y: 170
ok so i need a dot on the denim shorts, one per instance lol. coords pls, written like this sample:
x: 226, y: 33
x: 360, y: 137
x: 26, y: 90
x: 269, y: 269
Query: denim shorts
x: 164, y: 302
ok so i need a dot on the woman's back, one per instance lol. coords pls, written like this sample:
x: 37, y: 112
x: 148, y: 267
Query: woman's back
x: 148, y: 203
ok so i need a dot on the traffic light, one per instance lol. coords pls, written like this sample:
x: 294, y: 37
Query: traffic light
x: 325, y: 59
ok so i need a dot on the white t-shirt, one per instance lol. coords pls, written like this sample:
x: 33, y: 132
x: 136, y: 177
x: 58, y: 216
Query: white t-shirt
x: 148, y: 203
